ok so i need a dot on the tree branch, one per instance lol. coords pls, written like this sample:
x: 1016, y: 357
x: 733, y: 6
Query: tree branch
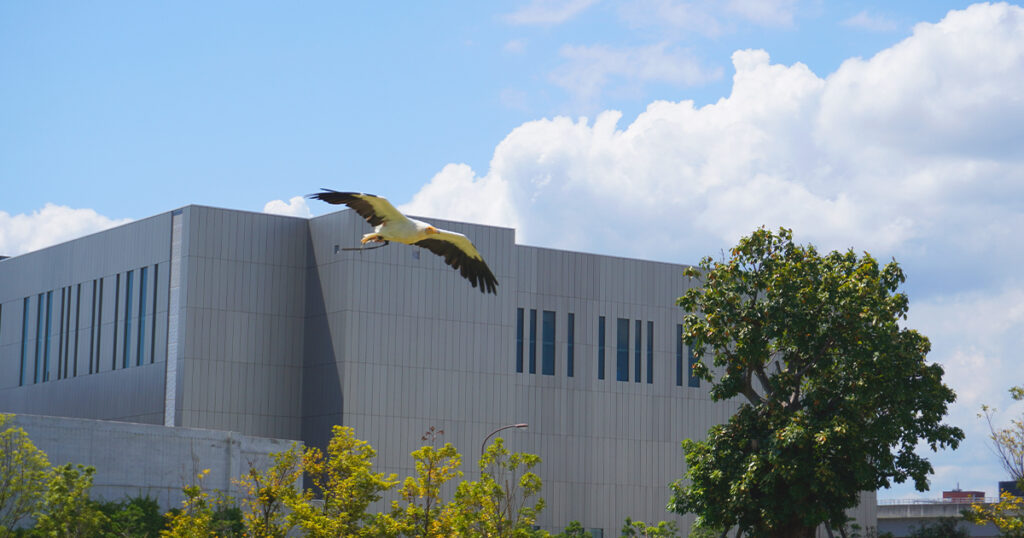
x: 762, y: 376
x: 748, y: 389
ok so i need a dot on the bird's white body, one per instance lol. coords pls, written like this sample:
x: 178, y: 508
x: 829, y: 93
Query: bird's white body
x: 400, y: 229
x: 389, y: 224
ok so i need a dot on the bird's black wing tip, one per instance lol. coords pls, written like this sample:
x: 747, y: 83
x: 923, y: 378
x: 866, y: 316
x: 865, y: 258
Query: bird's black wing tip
x: 323, y: 192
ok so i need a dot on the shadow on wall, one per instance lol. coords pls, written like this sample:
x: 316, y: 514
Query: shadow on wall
x: 322, y: 400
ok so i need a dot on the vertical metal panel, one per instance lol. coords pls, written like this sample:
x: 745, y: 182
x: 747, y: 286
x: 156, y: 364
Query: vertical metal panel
x: 174, y: 306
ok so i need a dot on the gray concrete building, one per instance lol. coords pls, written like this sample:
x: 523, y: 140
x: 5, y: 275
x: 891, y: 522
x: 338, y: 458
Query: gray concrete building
x: 903, y: 517
x: 264, y: 325
x: 134, y: 459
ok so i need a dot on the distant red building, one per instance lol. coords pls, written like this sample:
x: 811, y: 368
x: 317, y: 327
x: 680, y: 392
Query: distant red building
x: 960, y: 496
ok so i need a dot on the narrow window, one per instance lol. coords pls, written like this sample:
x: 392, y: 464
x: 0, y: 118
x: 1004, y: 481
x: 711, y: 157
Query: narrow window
x: 92, y: 324
x: 46, y: 349
x: 622, y: 350
x: 126, y: 348
x: 533, y: 341
x: 570, y: 353
x: 140, y: 351
x: 694, y: 381
x: 548, y: 343
x: 637, y: 346
x: 152, y: 332
x: 39, y: 337
x: 679, y: 355
x: 117, y: 306
x: 99, y: 325
x: 650, y: 352
x: 78, y: 311
x: 519, y: 340
x: 600, y: 347
x: 60, y: 335
x: 24, y: 340
x: 67, y: 334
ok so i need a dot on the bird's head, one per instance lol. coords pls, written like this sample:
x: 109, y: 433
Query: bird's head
x: 432, y: 230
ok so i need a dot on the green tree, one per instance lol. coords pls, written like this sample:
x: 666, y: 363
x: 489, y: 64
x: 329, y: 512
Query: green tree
x: 423, y: 514
x: 266, y: 492
x: 837, y: 394
x: 705, y: 532
x: 947, y: 527
x: 23, y: 471
x: 204, y: 514
x: 1008, y: 444
x: 66, y: 510
x: 574, y: 530
x: 346, y: 484
x: 502, y: 502
x: 664, y: 529
x: 1007, y: 515
x: 137, y: 517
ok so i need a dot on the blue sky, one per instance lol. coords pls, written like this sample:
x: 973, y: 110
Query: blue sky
x: 659, y: 129
x: 133, y: 108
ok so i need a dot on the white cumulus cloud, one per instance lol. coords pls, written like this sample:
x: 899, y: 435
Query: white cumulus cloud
x: 914, y: 150
x: 295, y: 207
x: 48, y: 226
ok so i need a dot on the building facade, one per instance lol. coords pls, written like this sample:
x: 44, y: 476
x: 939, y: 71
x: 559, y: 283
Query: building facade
x: 267, y: 326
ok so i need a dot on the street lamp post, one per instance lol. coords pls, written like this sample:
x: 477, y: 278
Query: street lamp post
x: 484, y: 444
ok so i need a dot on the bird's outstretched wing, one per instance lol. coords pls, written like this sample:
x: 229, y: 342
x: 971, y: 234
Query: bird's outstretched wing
x: 459, y: 252
x: 374, y: 209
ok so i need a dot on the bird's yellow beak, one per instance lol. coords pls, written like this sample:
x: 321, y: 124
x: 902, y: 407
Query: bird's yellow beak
x: 432, y: 230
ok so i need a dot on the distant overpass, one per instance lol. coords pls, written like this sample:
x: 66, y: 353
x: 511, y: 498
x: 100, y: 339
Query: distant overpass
x: 902, y: 516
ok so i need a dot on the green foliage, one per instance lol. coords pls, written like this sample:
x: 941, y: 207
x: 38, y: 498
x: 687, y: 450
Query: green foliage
x: 947, y: 527
x: 23, y: 472
x: 664, y: 529
x: 574, y: 530
x: 1008, y: 444
x: 66, y: 510
x: 267, y: 491
x: 1007, y: 515
x: 837, y: 394
x: 204, y: 514
x: 424, y: 514
x: 697, y: 531
x: 347, y: 485
x: 136, y: 517
x: 501, y: 502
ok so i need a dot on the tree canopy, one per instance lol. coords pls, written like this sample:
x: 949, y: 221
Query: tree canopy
x: 835, y: 392
x: 1008, y: 444
x: 23, y: 474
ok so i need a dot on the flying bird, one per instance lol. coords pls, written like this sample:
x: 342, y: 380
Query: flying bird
x: 389, y: 224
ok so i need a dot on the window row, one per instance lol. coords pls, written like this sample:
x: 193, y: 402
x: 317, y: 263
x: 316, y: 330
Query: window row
x: 641, y: 366
x: 131, y: 326
x: 547, y: 342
